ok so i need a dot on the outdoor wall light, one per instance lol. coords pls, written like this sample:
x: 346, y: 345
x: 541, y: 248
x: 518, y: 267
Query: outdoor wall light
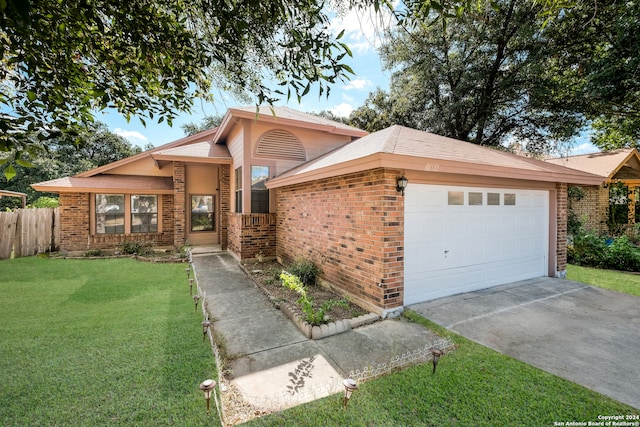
x: 207, y: 387
x: 190, y: 286
x: 401, y: 184
x: 196, y: 298
x: 436, y: 352
x: 349, y: 387
x: 206, y: 324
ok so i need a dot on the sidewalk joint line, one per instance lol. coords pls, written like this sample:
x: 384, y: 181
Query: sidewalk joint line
x: 512, y: 307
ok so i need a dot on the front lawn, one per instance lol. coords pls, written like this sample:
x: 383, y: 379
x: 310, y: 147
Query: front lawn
x: 628, y: 283
x: 473, y: 386
x: 100, y: 342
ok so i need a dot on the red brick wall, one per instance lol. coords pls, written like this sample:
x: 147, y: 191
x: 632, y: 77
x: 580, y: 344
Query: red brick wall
x: 593, y: 208
x: 352, y: 227
x: 75, y: 228
x: 74, y: 221
x: 561, y: 221
x: 252, y: 234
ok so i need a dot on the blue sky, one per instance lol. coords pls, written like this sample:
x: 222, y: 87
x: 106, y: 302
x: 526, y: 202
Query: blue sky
x: 362, y: 34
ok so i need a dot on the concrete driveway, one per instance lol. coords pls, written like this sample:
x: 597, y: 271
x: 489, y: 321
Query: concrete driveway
x: 588, y: 335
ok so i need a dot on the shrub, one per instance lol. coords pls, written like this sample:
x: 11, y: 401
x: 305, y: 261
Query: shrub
x: 45, y: 202
x: 623, y: 255
x: 93, y: 252
x: 306, y: 270
x: 138, y: 248
x: 589, y: 250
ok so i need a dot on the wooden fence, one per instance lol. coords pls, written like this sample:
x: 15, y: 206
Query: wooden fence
x: 26, y: 232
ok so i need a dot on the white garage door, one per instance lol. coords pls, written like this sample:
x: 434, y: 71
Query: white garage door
x: 460, y: 239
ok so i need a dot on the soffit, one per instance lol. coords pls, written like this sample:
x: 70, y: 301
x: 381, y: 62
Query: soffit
x: 108, y: 184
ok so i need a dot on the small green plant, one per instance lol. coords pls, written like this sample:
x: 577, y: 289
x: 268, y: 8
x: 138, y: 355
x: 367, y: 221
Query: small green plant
x: 312, y: 315
x: 137, y: 248
x: 94, y: 252
x: 306, y: 270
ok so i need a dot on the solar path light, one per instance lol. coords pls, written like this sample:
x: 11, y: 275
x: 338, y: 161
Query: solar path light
x: 206, y: 324
x: 196, y: 298
x: 207, y: 387
x: 436, y: 352
x: 190, y: 286
x: 349, y: 387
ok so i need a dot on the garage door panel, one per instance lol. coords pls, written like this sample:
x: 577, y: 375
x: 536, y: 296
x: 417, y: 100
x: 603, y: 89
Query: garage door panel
x: 462, y: 248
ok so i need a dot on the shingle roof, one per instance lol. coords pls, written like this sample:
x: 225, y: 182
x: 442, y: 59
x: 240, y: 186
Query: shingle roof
x: 418, y: 150
x: 202, y: 150
x: 604, y: 164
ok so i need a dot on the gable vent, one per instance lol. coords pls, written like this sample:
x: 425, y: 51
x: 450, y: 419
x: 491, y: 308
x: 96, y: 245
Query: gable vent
x: 280, y: 144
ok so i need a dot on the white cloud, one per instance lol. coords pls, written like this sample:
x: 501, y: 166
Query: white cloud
x: 358, y: 84
x: 364, y: 28
x: 342, y: 110
x: 132, y: 136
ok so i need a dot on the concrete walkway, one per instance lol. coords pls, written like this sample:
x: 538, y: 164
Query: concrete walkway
x: 588, y: 335
x: 272, y: 363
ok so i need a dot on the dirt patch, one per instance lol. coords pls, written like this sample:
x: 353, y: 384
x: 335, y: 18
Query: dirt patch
x: 267, y: 276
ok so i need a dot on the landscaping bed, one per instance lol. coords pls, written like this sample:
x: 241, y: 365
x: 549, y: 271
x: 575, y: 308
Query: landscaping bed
x: 342, y: 315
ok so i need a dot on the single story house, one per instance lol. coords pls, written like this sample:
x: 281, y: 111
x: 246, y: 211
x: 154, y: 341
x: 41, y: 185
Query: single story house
x: 392, y: 218
x: 616, y: 200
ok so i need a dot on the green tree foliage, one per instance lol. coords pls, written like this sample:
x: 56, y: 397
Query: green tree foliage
x: 208, y: 122
x: 535, y: 72
x: 479, y: 78
x: 62, y: 61
x: 597, y: 61
x: 65, y: 156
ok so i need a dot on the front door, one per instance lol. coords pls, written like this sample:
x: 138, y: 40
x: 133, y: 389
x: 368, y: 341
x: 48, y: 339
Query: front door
x: 202, y: 204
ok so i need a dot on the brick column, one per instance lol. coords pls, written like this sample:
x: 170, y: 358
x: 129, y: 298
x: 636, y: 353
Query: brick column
x: 74, y: 221
x: 561, y: 221
x: 225, y: 204
x: 179, y: 200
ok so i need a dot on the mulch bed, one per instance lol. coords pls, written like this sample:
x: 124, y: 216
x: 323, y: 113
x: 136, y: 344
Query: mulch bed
x: 266, y: 276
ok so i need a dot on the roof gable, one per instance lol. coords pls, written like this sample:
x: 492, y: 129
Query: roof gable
x: 207, y: 135
x: 284, y: 116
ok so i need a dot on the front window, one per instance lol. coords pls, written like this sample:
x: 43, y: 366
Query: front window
x: 144, y: 214
x: 109, y: 213
x: 202, y: 208
x: 239, y: 190
x: 259, y: 191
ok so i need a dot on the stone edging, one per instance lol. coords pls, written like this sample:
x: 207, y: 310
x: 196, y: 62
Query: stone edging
x: 316, y: 332
x: 327, y: 329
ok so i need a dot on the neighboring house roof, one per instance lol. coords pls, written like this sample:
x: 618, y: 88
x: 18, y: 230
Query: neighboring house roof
x: 8, y: 193
x: 285, y: 116
x: 410, y: 149
x: 605, y: 164
x: 108, y: 184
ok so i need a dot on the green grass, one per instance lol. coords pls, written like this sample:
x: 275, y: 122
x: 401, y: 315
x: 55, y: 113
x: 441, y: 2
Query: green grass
x: 473, y: 386
x: 627, y: 283
x: 100, y: 342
